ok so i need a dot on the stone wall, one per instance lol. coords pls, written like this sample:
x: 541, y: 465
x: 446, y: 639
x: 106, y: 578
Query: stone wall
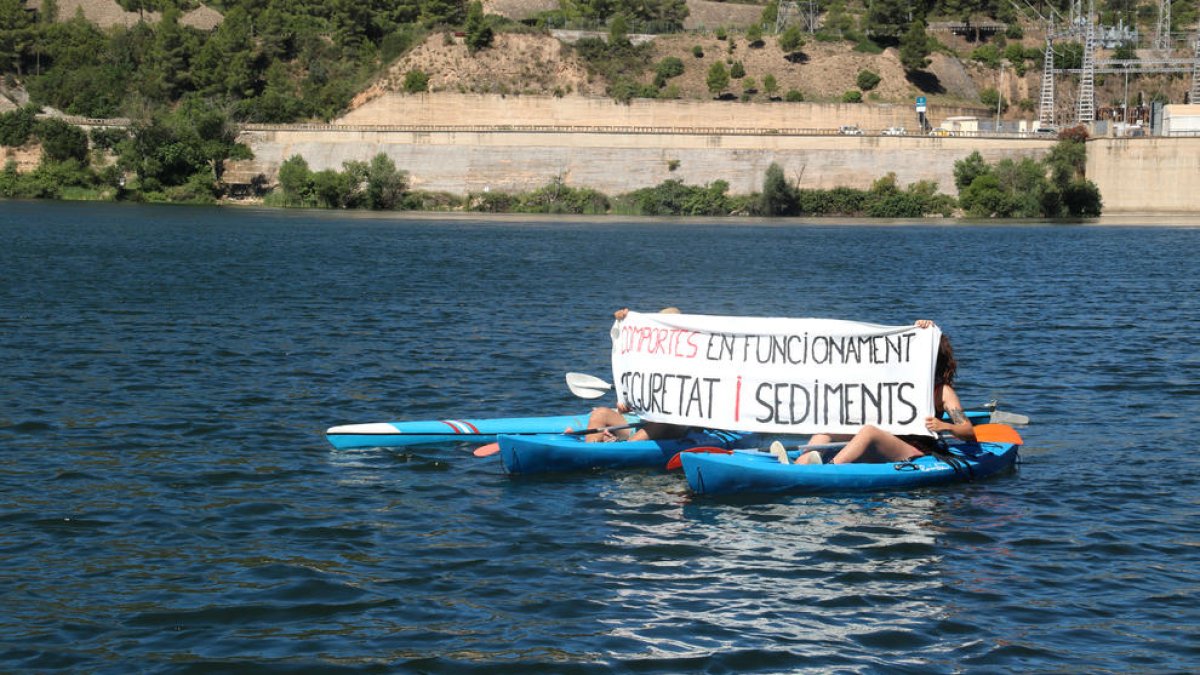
x: 1147, y: 175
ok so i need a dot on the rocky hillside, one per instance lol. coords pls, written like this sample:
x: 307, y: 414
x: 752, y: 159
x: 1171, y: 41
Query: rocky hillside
x: 541, y: 64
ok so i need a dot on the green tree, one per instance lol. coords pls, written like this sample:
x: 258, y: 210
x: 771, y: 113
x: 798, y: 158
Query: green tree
x: 991, y: 98
x: 914, y: 48
x: 61, y: 141
x: 778, y: 197
x: 754, y: 36
x: 416, y: 81
x: 165, y: 72
x: 791, y: 40
x: 385, y: 185
x: 718, y: 78
x: 225, y: 64
x: 16, y: 35
x: 479, y: 31
x: 618, y: 32
x: 17, y: 125
x: 770, y: 84
x: 295, y: 180
x: 737, y: 71
x: 669, y: 67
x: 439, y: 12
x: 139, y: 6
x: 887, y: 19
x: 968, y: 169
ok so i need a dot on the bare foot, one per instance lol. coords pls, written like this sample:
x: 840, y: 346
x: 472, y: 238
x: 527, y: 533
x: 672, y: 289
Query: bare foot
x: 810, y: 457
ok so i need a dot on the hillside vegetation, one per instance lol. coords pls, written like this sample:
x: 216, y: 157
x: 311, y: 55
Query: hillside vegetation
x: 295, y: 60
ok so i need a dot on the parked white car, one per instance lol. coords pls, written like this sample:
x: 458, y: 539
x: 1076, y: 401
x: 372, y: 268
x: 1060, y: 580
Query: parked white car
x: 850, y: 130
x: 895, y: 131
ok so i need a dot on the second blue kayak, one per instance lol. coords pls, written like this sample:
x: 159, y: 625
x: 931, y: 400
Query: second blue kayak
x: 760, y: 472
x: 561, y: 452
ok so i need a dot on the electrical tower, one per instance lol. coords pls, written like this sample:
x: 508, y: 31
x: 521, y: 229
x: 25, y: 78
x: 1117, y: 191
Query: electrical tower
x: 1085, y: 112
x: 1080, y: 25
x: 1162, y: 31
x: 1195, y: 94
x: 784, y: 14
x: 1046, y: 107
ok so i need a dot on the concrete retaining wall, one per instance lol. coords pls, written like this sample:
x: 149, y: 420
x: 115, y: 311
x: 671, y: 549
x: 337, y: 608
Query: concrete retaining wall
x: 1150, y: 175
x: 471, y: 161
x: 469, y: 109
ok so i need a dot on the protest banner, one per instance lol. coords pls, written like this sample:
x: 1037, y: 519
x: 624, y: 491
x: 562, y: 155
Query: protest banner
x: 781, y: 375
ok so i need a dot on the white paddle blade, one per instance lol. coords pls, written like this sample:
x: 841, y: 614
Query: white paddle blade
x: 587, y: 386
x: 1011, y: 419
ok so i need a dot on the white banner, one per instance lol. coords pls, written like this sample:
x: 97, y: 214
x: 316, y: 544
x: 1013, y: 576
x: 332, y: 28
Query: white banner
x: 794, y: 376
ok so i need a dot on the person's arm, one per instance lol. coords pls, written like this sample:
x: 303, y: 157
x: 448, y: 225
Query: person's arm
x: 959, y: 425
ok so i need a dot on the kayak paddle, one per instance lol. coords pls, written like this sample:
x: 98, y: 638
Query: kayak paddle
x: 997, y: 433
x: 492, y: 448
x: 1011, y: 419
x: 587, y: 386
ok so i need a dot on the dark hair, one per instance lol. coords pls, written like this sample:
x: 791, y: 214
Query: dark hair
x: 947, y: 367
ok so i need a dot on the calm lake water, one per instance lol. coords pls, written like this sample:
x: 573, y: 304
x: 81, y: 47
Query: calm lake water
x: 168, y: 502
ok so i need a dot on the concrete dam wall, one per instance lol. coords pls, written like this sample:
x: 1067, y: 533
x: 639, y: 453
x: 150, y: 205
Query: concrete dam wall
x: 461, y: 143
x: 466, y: 160
x: 470, y: 143
x: 1146, y: 175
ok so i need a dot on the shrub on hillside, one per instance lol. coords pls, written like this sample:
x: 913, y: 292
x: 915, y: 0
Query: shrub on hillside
x: 16, y: 126
x: 416, y: 81
x: 867, y: 80
x: 61, y: 141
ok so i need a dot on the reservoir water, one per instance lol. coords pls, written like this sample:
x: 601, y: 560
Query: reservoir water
x: 168, y: 502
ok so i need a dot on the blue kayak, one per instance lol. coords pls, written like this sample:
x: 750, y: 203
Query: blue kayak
x: 759, y: 472
x: 560, y: 452
x: 432, y: 432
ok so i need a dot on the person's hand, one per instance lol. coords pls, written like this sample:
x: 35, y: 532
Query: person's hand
x: 935, y: 425
x: 620, y: 314
x: 622, y: 407
x: 924, y: 323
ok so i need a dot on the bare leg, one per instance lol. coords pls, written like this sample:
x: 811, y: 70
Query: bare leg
x: 821, y: 439
x: 872, y: 444
x: 605, y: 417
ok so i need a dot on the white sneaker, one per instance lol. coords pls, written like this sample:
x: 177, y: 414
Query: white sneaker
x: 779, y: 452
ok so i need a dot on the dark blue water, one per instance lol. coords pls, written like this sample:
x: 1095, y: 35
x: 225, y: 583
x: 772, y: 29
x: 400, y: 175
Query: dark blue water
x: 168, y: 502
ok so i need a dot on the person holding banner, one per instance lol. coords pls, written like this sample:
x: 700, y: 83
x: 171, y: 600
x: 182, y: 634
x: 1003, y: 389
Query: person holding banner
x: 872, y: 444
x: 608, y: 417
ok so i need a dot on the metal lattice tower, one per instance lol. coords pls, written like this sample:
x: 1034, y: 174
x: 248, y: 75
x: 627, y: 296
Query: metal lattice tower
x: 1195, y: 95
x: 784, y: 14
x: 1086, y: 108
x: 1162, y: 31
x: 1046, y: 109
x: 810, y: 16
